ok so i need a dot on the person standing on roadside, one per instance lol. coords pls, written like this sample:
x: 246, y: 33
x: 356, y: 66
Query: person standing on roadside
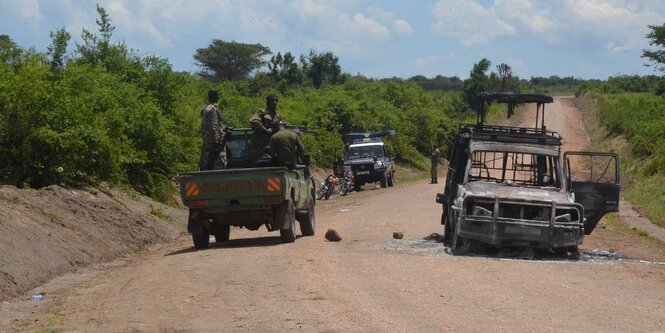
x: 211, y: 134
x: 264, y: 122
x: 435, y: 156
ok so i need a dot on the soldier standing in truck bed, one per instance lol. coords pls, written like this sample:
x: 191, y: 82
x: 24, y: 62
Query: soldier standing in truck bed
x: 264, y: 122
x: 211, y: 134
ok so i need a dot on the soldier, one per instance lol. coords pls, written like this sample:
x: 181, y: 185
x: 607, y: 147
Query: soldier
x: 435, y: 156
x: 287, y: 147
x: 211, y: 133
x: 264, y: 122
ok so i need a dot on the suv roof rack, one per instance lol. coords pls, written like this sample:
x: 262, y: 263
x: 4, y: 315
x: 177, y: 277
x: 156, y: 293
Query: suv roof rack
x: 511, y: 134
x: 352, y: 137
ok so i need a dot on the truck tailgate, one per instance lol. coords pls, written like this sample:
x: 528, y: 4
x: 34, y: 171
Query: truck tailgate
x: 232, y: 186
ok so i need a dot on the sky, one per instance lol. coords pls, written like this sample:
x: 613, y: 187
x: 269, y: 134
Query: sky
x: 587, y: 39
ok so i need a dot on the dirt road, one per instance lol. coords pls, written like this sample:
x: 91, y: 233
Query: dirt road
x: 368, y: 282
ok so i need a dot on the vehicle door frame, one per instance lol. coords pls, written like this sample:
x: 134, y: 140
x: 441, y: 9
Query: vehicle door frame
x: 597, y: 198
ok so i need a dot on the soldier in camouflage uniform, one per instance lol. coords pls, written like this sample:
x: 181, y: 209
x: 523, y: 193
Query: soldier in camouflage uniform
x: 264, y: 123
x: 212, y: 156
x: 435, y: 157
x: 287, y: 147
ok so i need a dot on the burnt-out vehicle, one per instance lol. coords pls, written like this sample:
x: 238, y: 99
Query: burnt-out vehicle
x: 513, y: 187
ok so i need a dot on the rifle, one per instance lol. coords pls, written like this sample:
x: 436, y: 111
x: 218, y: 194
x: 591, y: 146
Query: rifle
x: 299, y: 128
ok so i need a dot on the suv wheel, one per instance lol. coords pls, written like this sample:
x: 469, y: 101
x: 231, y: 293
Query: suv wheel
x: 384, y: 180
x: 391, y: 179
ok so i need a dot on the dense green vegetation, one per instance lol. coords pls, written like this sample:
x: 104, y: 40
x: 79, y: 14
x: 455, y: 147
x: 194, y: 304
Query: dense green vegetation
x: 103, y: 112
x: 633, y: 125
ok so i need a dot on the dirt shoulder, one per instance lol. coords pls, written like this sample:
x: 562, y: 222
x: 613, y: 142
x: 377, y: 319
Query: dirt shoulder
x: 53, y: 231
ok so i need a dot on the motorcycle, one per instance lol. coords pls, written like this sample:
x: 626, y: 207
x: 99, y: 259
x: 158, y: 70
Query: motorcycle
x: 327, y: 187
x: 347, y: 183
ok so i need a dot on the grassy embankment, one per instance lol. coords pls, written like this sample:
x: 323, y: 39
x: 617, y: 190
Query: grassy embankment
x: 633, y: 126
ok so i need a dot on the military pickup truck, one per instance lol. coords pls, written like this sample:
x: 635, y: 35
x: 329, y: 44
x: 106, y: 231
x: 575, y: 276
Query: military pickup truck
x: 248, y: 197
x: 369, y: 160
x: 513, y: 187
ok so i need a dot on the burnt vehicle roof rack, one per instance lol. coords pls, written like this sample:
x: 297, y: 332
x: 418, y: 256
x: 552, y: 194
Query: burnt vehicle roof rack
x: 511, y: 134
x: 513, y: 99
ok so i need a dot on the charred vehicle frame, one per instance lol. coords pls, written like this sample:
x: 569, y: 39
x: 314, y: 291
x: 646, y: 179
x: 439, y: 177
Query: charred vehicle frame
x: 511, y: 186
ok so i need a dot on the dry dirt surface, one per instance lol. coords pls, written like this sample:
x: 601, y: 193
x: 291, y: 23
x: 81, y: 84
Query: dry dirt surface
x: 367, y: 282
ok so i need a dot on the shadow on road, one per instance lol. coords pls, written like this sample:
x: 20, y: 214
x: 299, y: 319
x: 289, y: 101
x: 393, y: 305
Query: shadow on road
x: 235, y: 243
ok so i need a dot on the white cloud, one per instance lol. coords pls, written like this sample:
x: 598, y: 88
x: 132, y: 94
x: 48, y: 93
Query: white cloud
x: 616, y: 23
x: 469, y: 21
x: 308, y: 9
x: 26, y: 9
x: 135, y: 24
x: 397, y: 26
x: 614, y: 48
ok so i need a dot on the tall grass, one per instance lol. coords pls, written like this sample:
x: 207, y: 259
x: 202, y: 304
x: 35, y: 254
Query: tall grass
x: 633, y: 126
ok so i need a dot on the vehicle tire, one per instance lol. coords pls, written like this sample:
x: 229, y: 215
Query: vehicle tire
x: 391, y: 179
x: 384, y: 180
x: 222, y: 233
x: 201, y: 240
x: 458, y: 244
x: 357, y: 186
x: 320, y: 193
x: 289, y: 235
x: 308, y: 221
x: 447, y: 230
x: 327, y: 194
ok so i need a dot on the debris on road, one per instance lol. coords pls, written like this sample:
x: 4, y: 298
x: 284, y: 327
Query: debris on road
x: 333, y: 236
x: 603, y: 253
x: 398, y: 235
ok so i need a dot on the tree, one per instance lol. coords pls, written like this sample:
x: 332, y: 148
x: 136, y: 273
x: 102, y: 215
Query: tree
x: 322, y: 68
x: 505, y: 73
x: 58, y: 48
x: 10, y: 52
x: 230, y: 60
x: 477, y: 82
x: 285, y: 70
x: 657, y: 37
x: 94, y: 49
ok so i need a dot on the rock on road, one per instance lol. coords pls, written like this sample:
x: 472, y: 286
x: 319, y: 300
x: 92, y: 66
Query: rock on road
x: 368, y: 282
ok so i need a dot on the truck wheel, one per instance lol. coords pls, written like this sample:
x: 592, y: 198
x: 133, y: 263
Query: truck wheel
x: 391, y: 179
x: 384, y: 180
x: 356, y: 186
x: 289, y: 235
x: 222, y: 233
x: 202, y: 239
x: 308, y: 221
